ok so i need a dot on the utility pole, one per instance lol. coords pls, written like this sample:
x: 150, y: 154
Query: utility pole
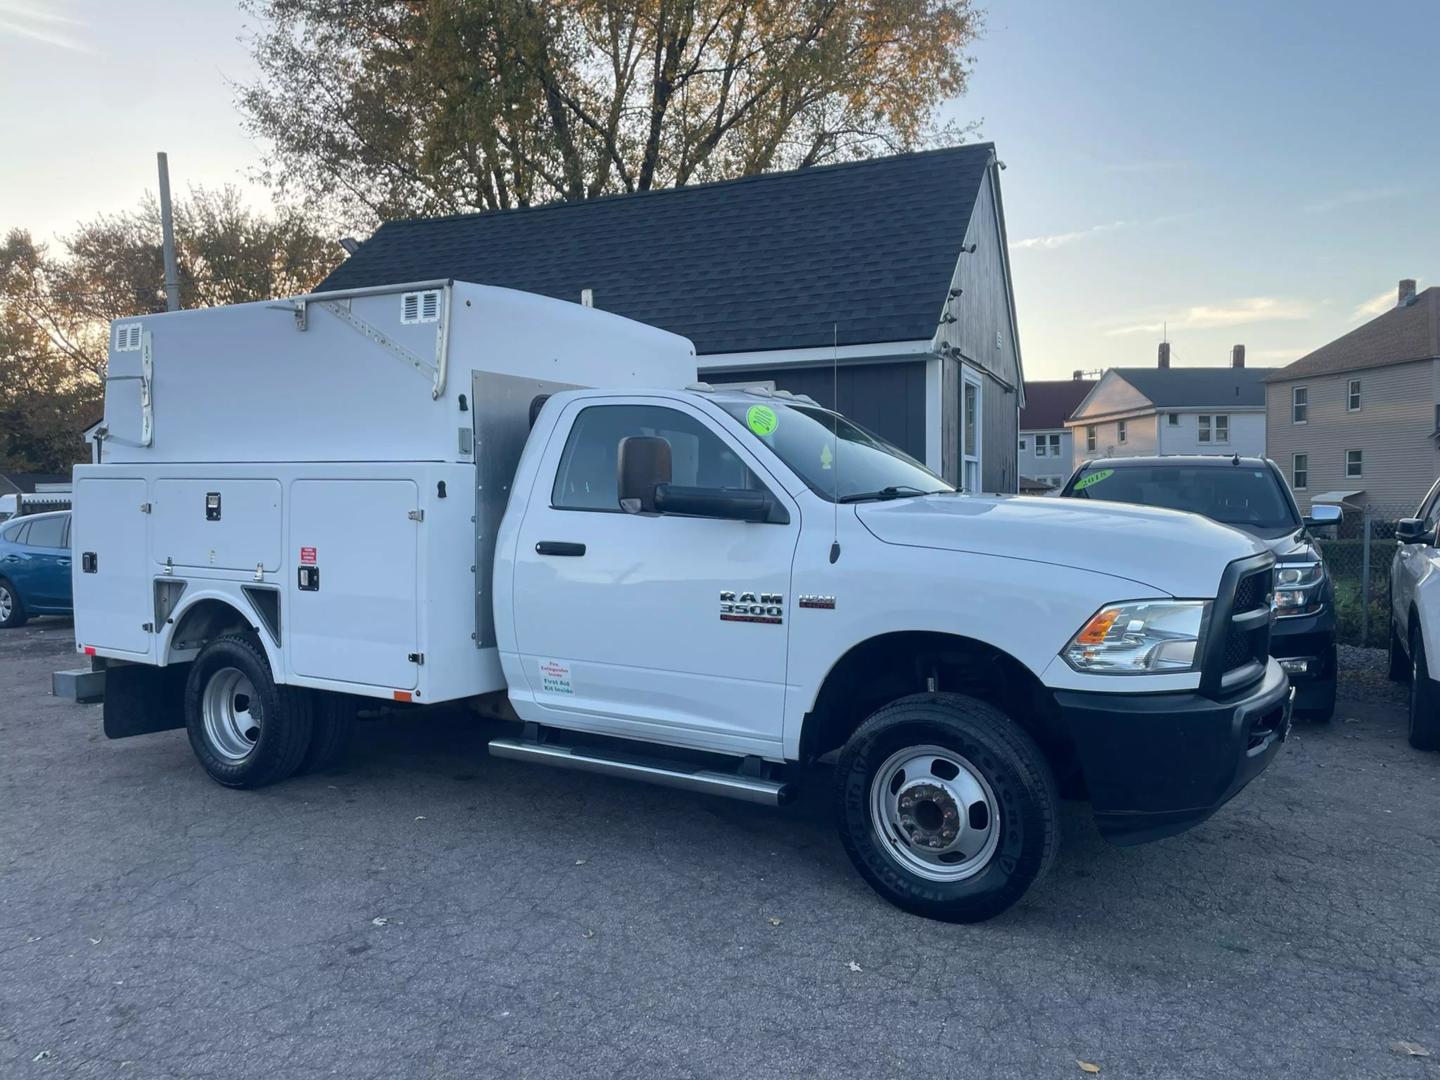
x: 167, y: 229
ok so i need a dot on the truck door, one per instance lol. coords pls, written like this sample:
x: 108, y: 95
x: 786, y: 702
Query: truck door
x: 623, y: 617
x: 114, y: 594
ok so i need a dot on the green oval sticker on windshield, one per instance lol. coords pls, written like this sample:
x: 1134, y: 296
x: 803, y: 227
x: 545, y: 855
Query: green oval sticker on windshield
x: 761, y: 419
x: 1094, y: 478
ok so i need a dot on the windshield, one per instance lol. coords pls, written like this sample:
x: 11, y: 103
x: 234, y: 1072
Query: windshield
x: 833, y: 456
x: 1247, y: 497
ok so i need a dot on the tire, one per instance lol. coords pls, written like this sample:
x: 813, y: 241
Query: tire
x: 1399, y: 663
x: 911, y: 747
x: 238, y: 745
x: 1424, y: 700
x: 332, y: 728
x: 1324, y: 711
x: 12, y: 608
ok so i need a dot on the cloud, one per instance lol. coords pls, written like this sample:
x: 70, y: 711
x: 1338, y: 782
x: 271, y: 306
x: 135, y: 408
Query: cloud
x: 1360, y: 196
x: 1056, y: 240
x: 1211, y: 316
x: 1379, y: 304
x: 46, y: 27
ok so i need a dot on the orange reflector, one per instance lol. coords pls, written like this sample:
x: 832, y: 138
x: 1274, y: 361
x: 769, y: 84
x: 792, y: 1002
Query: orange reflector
x: 89, y: 650
x: 402, y: 695
x: 1098, y: 626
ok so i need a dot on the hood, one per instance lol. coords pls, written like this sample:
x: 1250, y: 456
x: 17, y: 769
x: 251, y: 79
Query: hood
x: 1166, y: 550
x: 1292, y: 547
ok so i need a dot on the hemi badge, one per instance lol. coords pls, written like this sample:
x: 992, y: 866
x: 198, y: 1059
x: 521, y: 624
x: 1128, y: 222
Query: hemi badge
x: 826, y: 603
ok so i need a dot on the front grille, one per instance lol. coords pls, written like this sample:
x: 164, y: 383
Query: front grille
x: 1242, y: 646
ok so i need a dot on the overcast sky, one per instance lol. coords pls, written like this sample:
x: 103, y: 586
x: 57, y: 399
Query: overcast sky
x: 1241, y: 172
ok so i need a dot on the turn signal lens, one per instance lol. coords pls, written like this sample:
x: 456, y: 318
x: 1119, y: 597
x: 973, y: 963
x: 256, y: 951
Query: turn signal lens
x: 1094, y: 631
x: 1147, y: 637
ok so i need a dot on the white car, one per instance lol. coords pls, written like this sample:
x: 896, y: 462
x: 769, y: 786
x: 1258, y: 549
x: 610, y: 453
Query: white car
x: 1415, y: 618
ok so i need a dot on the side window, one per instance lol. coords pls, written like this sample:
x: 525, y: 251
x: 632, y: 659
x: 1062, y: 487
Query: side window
x: 16, y: 534
x: 47, y: 533
x: 1299, y: 404
x: 588, y: 476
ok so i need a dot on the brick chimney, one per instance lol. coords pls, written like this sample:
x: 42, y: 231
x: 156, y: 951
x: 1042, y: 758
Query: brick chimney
x: 1407, y: 291
x: 1164, y: 354
x: 1237, y: 356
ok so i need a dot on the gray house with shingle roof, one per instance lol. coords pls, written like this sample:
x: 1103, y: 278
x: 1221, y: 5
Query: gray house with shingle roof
x: 1166, y: 410
x: 1358, y: 420
x: 881, y: 285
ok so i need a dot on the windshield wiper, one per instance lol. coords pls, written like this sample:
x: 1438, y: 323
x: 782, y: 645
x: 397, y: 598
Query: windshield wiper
x: 894, y: 491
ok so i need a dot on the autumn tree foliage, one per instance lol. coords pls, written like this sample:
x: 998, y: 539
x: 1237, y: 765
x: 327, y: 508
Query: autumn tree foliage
x: 378, y: 108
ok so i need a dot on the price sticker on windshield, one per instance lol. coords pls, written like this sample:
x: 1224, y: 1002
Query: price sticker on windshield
x: 1094, y: 478
x: 761, y: 419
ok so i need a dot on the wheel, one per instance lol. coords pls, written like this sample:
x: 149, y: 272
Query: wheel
x: 246, y: 731
x: 1399, y: 662
x: 946, y: 807
x: 12, y: 611
x: 331, y: 730
x: 1320, y: 703
x: 1424, y: 701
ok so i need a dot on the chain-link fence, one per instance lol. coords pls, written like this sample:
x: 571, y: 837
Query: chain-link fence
x: 1358, y: 553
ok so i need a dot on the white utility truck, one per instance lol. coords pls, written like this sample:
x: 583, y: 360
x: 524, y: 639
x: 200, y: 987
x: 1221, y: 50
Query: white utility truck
x: 404, y: 494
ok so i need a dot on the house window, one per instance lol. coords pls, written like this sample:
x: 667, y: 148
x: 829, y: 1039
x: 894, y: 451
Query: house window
x: 1300, y: 471
x: 1204, y: 428
x: 1090, y: 433
x: 1299, y: 404
x: 1354, y: 463
x: 1039, y: 445
x: 1173, y: 419
x: 1352, y: 396
x: 1022, y: 446
x: 1054, y: 445
x: 970, y: 436
x: 1120, y: 431
x: 1222, y: 428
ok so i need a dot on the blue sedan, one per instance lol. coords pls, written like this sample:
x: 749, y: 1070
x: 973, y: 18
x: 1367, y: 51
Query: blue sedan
x: 34, y: 567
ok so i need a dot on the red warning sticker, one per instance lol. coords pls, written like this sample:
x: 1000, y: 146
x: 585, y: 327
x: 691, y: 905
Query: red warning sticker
x: 307, y: 556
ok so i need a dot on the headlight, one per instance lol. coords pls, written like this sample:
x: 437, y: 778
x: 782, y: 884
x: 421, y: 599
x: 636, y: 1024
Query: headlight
x: 1297, y: 588
x: 1149, y: 637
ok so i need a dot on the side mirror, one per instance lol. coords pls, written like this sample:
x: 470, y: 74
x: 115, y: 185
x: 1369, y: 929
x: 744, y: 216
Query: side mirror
x: 1412, y: 531
x: 644, y: 464
x: 1323, y: 514
x: 734, y: 504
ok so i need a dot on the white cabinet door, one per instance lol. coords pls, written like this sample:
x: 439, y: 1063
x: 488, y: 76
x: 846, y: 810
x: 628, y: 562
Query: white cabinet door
x: 110, y: 566
x: 651, y: 625
x: 359, y: 622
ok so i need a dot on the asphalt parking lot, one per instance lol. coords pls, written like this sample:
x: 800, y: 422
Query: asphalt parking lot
x: 428, y: 911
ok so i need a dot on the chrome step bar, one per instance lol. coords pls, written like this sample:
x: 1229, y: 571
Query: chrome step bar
x: 755, y: 789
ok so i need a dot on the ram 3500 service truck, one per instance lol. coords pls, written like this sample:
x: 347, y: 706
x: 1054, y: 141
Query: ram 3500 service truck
x: 404, y: 494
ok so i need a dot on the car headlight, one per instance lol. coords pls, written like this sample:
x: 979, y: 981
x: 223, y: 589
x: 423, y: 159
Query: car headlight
x: 1298, y: 588
x: 1147, y: 637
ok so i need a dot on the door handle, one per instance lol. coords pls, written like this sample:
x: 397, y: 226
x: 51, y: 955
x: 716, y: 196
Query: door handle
x: 559, y: 547
x: 64, y: 562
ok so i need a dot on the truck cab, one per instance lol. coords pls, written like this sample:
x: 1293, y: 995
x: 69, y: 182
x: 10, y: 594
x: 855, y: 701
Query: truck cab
x: 713, y: 589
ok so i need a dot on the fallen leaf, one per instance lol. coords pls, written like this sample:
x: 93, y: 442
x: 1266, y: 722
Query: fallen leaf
x: 1087, y: 1066
x: 855, y: 967
x: 41, y: 1056
x: 96, y: 940
x: 581, y: 862
x: 589, y: 934
x: 774, y: 921
x: 1409, y: 1049
x: 379, y: 920
x: 420, y: 817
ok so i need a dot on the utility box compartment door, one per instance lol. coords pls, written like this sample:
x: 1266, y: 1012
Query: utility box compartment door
x: 111, y: 575
x: 225, y: 524
x: 354, y: 549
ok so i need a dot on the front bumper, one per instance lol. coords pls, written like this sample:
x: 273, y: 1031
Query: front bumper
x: 1311, y: 639
x: 1158, y: 764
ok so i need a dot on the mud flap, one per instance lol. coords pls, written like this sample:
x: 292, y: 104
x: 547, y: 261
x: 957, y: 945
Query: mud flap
x: 140, y: 699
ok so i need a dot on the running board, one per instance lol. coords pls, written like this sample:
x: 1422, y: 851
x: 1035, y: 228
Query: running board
x: 753, y: 789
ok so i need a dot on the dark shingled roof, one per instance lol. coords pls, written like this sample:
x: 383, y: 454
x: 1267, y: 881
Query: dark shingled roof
x: 1196, y: 388
x: 1049, y: 402
x: 1401, y: 334
x: 764, y: 262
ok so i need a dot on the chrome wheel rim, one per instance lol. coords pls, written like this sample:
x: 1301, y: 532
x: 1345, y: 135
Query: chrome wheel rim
x: 232, y: 713
x: 7, y: 603
x: 935, y: 813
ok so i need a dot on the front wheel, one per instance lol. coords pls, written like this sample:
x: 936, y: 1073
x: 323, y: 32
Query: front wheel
x: 1424, y: 701
x: 1399, y: 663
x: 245, y: 730
x: 946, y: 807
x: 12, y: 611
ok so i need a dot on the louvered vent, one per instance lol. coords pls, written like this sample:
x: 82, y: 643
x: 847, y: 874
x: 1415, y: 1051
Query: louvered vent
x: 420, y: 307
x: 127, y: 337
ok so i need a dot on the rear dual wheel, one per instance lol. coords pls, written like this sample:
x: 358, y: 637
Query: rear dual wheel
x: 247, y: 731
x: 947, y: 808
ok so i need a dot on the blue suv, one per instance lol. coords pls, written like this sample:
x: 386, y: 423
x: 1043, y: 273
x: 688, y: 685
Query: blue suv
x: 34, y: 567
